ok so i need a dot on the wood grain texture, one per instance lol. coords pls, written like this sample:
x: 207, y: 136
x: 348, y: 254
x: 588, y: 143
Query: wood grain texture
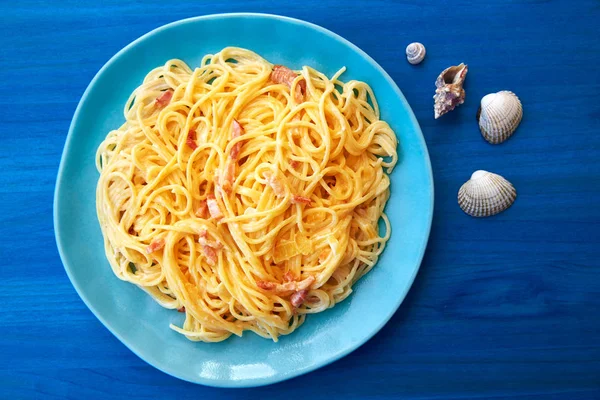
x: 505, y: 307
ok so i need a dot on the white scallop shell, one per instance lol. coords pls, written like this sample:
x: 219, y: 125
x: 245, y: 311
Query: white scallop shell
x: 486, y: 194
x: 415, y: 53
x: 499, y: 116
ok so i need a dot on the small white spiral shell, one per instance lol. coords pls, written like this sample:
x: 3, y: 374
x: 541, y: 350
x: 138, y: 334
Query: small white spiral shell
x: 415, y: 53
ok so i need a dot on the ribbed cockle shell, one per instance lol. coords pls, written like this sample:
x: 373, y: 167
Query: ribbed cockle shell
x: 499, y: 116
x: 486, y: 194
x: 449, y: 92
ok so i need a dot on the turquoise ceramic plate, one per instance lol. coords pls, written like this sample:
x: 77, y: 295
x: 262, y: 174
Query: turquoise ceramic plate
x: 141, y: 324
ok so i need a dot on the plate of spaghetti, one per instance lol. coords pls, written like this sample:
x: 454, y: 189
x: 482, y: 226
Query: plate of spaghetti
x: 240, y: 207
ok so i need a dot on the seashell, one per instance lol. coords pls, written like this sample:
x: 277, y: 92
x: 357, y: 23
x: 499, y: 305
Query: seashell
x: 415, y: 53
x: 499, y: 116
x: 486, y: 194
x: 449, y: 92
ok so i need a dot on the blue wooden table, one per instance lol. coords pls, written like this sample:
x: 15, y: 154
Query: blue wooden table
x: 505, y: 307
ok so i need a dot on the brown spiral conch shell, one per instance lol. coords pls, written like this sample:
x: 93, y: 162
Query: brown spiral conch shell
x: 449, y: 92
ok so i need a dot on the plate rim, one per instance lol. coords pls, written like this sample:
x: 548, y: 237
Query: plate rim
x: 245, y: 383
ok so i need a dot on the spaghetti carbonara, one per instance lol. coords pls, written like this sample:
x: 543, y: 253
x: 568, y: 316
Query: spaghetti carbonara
x: 243, y: 194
